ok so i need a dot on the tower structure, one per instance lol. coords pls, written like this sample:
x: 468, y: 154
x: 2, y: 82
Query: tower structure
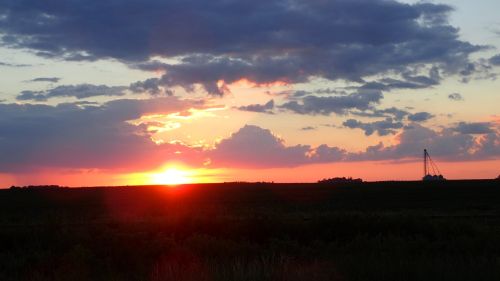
x: 431, y: 170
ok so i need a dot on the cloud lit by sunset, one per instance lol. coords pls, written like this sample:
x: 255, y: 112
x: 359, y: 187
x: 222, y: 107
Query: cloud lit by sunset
x: 111, y: 93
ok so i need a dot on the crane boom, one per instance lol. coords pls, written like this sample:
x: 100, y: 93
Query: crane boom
x: 430, y: 165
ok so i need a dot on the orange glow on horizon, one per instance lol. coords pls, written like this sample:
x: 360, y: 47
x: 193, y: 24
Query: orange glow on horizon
x: 171, y: 176
x: 369, y: 171
x: 175, y: 174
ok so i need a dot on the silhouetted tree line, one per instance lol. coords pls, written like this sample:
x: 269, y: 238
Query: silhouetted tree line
x: 37, y: 187
x: 341, y: 180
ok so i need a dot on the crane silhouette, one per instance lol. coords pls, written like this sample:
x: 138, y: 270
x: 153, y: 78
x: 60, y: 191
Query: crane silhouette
x: 431, y: 170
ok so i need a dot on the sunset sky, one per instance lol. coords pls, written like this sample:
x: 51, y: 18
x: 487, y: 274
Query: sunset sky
x: 172, y: 91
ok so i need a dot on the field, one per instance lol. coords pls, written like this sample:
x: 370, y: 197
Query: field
x: 368, y: 231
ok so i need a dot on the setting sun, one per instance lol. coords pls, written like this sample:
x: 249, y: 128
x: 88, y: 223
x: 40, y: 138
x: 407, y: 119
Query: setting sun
x: 171, y: 176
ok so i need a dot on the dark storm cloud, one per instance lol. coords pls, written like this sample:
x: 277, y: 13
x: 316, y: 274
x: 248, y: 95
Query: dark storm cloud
x: 455, y: 97
x: 263, y: 108
x: 80, y: 91
x: 362, y: 100
x: 474, y: 128
x: 382, y: 128
x: 45, y: 79
x: 261, y: 40
x: 85, y: 136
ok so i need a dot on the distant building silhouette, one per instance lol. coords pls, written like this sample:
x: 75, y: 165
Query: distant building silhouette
x: 433, y: 178
x: 340, y: 180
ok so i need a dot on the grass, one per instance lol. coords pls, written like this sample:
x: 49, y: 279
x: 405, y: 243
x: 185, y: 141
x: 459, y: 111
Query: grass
x: 372, y: 231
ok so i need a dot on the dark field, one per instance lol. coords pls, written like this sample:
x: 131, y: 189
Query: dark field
x: 371, y: 231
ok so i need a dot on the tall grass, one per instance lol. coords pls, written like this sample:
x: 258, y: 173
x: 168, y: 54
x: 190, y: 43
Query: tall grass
x: 255, y: 233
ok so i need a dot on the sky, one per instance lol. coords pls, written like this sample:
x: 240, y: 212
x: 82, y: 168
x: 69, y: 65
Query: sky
x: 169, y: 91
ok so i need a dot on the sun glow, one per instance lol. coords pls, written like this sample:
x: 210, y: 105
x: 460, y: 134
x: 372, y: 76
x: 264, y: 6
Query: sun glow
x: 172, y: 176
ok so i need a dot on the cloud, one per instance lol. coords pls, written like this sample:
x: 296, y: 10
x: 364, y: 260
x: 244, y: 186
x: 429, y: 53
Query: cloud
x: 31, y: 96
x: 263, y: 108
x: 456, y: 97
x: 362, y: 100
x: 208, y: 71
x: 420, y: 116
x: 80, y: 91
x: 392, y: 112
x: 150, y: 86
x: 262, y: 41
x: 474, y: 128
x: 6, y: 64
x: 446, y: 144
x: 253, y: 146
x: 45, y: 79
x: 488, y: 146
x: 410, y: 79
x: 382, y: 128
x: 87, y: 136
x: 393, y: 121
x: 478, y: 70
x: 308, y: 128
x: 414, y: 139
x: 495, y: 60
